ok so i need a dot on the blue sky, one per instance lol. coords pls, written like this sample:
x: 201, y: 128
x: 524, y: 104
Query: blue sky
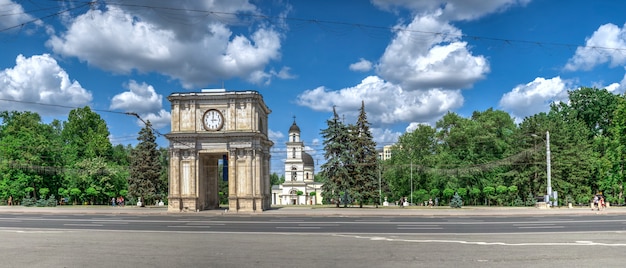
x: 409, y: 61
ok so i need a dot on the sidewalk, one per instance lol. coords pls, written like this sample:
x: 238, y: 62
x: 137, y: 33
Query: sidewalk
x: 326, y: 211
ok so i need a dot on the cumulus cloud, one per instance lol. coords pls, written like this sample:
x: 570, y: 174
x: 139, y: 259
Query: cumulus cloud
x: 385, y: 102
x: 423, y: 62
x: 39, y: 79
x: 143, y: 100
x: 384, y: 136
x: 184, y: 44
x: 607, y: 44
x: 452, y: 9
x: 535, y: 97
x: 362, y: 65
x: 617, y: 88
x: 13, y: 15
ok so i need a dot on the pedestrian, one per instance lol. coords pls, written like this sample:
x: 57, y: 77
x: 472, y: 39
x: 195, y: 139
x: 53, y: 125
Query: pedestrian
x: 436, y: 201
x: 10, y: 200
x: 595, y: 203
x: 112, y: 201
x: 430, y: 202
x: 602, y: 204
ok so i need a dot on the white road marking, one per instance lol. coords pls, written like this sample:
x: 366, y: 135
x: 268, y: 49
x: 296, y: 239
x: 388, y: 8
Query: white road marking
x: 83, y: 224
x: 482, y: 243
x: 299, y: 227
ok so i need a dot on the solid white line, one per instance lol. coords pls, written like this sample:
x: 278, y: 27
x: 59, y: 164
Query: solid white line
x: 534, y: 224
x: 419, y: 228
x: 539, y: 227
x: 107, y: 222
x: 300, y: 227
x: 189, y: 226
x: 85, y: 224
x: 318, y: 224
x: 203, y: 223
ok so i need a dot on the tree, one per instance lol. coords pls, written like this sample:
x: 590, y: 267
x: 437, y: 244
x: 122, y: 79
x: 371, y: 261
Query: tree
x: 29, y: 155
x: 145, y: 167
x: 337, y: 153
x: 85, y: 135
x: 456, y: 201
x: 365, y: 169
x: 275, y: 179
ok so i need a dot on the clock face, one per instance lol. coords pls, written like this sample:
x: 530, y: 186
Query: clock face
x: 213, y: 120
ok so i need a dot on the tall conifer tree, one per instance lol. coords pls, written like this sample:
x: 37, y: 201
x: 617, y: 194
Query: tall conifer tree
x: 145, y: 166
x: 365, y: 169
x: 337, y: 154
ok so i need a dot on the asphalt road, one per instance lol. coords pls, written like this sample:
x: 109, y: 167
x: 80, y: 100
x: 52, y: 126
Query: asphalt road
x: 199, y: 240
x: 318, y: 224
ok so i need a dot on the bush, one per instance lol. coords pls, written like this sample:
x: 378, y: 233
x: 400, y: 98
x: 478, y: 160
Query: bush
x: 518, y: 202
x: 456, y: 201
x: 28, y: 201
x: 50, y: 202
x: 530, y: 200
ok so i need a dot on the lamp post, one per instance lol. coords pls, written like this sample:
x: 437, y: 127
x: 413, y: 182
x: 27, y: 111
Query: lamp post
x: 380, y: 187
x: 411, y: 181
x: 548, y: 170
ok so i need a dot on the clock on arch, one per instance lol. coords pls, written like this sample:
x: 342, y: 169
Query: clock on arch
x: 213, y: 120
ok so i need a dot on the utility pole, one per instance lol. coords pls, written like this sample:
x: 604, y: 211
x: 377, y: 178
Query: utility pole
x: 549, y: 187
x: 411, y: 181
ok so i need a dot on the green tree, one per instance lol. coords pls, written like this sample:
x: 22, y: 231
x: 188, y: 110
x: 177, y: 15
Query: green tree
x: 489, y: 193
x: 365, y: 169
x: 337, y: 153
x: 85, y: 135
x: 275, y: 179
x: 29, y: 155
x: 145, y: 167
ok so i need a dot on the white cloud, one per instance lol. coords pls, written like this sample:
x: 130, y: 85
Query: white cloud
x: 425, y: 61
x: 39, y: 79
x: 184, y: 44
x: 362, y: 65
x: 385, y: 102
x: 143, y: 100
x: 13, y: 15
x: 535, y: 97
x: 607, y: 44
x: 452, y: 9
x: 158, y: 120
x: 284, y: 73
x: 617, y: 88
x: 275, y: 135
x: 384, y: 136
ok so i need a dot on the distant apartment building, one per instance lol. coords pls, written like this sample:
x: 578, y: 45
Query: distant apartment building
x: 385, y: 153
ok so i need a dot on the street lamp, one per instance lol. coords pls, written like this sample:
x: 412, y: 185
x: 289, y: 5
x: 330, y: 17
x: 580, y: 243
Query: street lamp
x: 548, y: 168
x: 411, y: 182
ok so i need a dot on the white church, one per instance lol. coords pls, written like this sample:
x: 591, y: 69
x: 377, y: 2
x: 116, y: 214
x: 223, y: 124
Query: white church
x: 299, y: 187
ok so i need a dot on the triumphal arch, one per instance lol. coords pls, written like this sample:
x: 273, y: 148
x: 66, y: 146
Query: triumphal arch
x: 219, y: 132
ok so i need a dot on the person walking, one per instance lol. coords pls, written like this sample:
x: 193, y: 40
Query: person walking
x: 10, y: 200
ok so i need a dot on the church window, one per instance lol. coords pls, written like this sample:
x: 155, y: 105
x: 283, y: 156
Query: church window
x: 293, y: 152
x: 294, y: 173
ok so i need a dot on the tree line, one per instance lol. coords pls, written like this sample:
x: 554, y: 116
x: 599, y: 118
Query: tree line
x: 487, y: 158
x: 74, y: 161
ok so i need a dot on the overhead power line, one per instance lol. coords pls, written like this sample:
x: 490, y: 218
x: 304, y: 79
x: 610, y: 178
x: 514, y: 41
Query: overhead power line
x: 277, y: 20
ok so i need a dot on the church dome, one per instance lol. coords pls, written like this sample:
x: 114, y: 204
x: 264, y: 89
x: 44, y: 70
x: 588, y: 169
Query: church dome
x: 294, y: 127
x: 307, y: 159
